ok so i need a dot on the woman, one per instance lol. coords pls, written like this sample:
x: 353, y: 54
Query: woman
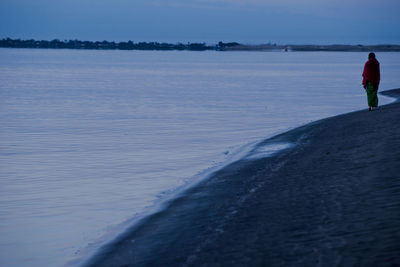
x: 371, y: 78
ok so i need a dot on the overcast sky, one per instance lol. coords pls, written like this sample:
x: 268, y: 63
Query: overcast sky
x: 251, y: 21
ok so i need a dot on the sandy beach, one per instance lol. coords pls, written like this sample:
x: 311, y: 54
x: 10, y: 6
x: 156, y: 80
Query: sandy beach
x: 332, y: 198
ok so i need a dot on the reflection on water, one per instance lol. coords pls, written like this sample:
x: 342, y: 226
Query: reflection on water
x: 268, y: 150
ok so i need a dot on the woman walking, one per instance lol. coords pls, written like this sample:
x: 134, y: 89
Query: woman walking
x: 371, y: 78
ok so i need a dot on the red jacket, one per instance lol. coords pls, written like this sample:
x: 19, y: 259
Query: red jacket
x: 371, y: 73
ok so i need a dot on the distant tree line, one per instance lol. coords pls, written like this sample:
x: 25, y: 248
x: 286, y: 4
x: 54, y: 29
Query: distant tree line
x: 77, y: 44
x: 221, y: 46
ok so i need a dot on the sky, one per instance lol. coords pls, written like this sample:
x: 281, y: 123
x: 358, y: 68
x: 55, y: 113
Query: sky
x: 210, y: 21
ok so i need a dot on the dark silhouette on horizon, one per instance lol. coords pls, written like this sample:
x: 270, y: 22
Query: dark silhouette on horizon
x: 106, y: 45
x: 221, y: 46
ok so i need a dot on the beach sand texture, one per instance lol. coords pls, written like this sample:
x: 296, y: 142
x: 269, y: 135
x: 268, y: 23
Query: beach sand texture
x: 331, y: 199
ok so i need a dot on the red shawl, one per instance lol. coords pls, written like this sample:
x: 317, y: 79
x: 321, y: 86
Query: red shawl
x: 371, y: 72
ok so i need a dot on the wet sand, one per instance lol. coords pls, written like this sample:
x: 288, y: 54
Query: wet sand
x: 332, y: 199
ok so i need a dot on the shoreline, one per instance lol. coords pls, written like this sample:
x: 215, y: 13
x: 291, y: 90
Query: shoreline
x: 196, y: 46
x: 308, y: 204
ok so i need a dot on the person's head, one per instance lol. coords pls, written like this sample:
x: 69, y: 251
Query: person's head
x: 371, y: 55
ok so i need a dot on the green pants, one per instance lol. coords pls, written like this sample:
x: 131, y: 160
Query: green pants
x: 372, y: 95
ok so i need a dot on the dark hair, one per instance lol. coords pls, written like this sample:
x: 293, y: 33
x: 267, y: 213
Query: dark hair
x: 371, y: 55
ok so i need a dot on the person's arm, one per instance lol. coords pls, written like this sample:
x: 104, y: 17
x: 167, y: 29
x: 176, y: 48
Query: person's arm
x: 364, y: 82
x: 364, y: 74
x: 378, y: 76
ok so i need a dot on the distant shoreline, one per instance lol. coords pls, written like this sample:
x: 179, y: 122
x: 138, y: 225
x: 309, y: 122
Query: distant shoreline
x: 221, y: 46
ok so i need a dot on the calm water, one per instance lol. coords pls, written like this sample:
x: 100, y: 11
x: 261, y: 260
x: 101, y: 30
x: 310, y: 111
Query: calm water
x: 90, y: 139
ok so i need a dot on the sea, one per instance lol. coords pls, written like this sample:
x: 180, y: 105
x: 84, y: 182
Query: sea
x: 91, y: 141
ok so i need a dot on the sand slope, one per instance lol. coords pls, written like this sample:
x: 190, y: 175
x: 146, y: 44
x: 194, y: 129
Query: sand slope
x: 333, y: 199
